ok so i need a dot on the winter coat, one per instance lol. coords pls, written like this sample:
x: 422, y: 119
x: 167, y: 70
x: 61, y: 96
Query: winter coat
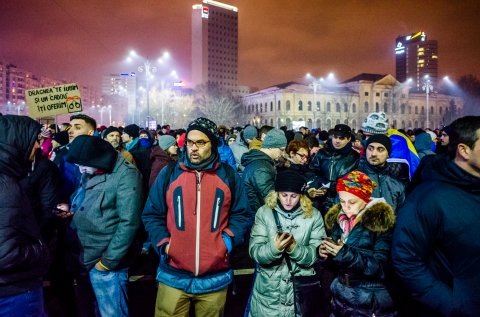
x: 273, y: 290
x: 423, y: 145
x: 159, y: 159
x: 141, y: 156
x: 258, y: 177
x: 332, y: 164
x: 388, y: 186
x: 239, y: 148
x: 69, y: 173
x: 109, y: 217
x: 193, y: 212
x: 436, y: 243
x: 24, y: 257
x: 360, y: 286
x: 226, y: 154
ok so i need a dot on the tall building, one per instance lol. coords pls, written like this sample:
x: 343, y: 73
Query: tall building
x: 416, y: 57
x: 215, y: 44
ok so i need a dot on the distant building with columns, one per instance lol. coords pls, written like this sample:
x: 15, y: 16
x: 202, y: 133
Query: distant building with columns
x: 349, y: 102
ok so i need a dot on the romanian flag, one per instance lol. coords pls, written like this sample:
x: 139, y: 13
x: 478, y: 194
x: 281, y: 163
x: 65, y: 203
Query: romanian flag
x: 403, y: 150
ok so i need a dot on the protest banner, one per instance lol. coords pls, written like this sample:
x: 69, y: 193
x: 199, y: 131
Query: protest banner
x: 55, y: 100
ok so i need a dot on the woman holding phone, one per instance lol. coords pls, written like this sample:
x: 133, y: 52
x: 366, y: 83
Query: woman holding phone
x: 299, y: 238
x: 360, y: 229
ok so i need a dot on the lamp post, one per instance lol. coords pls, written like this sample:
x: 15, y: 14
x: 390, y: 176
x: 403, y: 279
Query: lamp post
x: 427, y: 87
x: 315, y: 85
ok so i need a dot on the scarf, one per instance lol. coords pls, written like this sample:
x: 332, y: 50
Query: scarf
x: 346, y: 224
x: 130, y: 145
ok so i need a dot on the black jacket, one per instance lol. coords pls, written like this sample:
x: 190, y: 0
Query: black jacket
x: 436, y: 243
x: 362, y: 263
x: 23, y: 256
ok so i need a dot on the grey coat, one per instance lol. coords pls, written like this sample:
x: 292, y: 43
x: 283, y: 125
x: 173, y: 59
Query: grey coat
x: 109, y: 216
x: 273, y: 290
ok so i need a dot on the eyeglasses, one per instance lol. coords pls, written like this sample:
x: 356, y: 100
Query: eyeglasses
x: 302, y: 156
x: 199, y: 143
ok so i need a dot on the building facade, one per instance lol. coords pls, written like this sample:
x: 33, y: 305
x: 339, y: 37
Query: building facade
x: 350, y: 103
x: 415, y: 58
x: 215, y: 45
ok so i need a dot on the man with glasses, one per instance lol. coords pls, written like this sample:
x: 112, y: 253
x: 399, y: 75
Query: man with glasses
x: 194, y: 215
x: 335, y: 160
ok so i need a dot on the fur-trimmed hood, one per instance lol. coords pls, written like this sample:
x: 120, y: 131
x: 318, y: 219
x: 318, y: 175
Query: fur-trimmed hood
x: 378, y: 216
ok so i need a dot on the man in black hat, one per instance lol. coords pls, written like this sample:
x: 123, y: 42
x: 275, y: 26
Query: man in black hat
x: 197, y: 210
x: 335, y: 160
x: 113, y: 136
x: 376, y: 166
x: 105, y: 211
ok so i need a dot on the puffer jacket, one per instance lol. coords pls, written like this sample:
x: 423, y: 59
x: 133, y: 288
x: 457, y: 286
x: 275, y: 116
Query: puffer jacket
x: 258, y: 177
x: 362, y: 263
x: 23, y: 256
x: 273, y: 291
x: 388, y: 186
x: 191, y: 212
x: 226, y: 154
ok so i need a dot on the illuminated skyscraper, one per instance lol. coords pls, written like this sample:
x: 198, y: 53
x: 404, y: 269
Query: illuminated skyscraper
x: 416, y: 57
x: 215, y: 44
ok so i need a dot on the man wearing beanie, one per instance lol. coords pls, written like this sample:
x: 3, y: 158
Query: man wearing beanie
x: 259, y: 173
x: 141, y: 155
x: 442, y: 145
x: 241, y: 144
x: 336, y: 159
x: 376, y: 166
x: 113, y: 136
x: 162, y: 154
x: 195, y: 213
x: 105, y: 216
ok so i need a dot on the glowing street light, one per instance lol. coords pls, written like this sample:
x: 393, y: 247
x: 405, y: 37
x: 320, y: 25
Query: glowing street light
x: 427, y: 87
x: 315, y: 84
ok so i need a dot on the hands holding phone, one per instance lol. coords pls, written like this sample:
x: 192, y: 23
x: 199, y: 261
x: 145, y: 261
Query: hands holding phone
x: 62, y: 211
x: 329, y: 247
x: 284, y: 241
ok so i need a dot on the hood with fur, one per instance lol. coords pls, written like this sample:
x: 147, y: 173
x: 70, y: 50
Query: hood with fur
x: 378, y: 216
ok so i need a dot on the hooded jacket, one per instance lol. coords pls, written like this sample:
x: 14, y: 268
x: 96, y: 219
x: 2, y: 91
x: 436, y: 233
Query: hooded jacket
x: 258, y: 177
x: 23, y: 256
x: 239, y: 147
x: 436, y: 244
x: 423, y: 145
x: 273, y: 291
x: 359, y: 288
x: 159, y: 159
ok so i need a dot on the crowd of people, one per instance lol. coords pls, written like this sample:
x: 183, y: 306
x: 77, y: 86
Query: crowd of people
x: 374, y: 222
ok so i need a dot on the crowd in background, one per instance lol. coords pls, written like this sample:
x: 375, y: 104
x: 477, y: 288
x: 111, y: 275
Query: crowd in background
x: 385, y: 220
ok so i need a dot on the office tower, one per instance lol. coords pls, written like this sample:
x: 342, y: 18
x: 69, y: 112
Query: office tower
x: 416, y: 57
x: 215, y: 44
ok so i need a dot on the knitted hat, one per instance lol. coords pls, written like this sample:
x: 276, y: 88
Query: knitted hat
x: 132, y: 130
x: 447, y: 129
x: 109, y: 130
x: 250, y: 132
x: 358, y: 184
x: 206, y: 126
x: 44, y: 132
x: 61, y: 137
x: 166, y: 141
x: 92, y: 151
x: 382, y: 139
x: 290, y: 181
x: 433, y: 135
x: 342, y: 130
x: 275, y: 138
x: 375, y: 123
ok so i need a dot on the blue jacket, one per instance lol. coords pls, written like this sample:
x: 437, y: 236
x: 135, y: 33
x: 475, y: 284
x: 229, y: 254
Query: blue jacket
x: 193, y: 212
x: 436, y: 242
x: 226, y: 154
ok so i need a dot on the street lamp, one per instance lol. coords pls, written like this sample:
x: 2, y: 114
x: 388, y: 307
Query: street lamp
x: 427, y: 87
x: 315, y: 84
x: 109, y: 115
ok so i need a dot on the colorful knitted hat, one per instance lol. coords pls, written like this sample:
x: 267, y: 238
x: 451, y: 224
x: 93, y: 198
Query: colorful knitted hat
x: 358, y: 184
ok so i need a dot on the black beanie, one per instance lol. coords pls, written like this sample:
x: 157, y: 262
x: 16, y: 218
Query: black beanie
x: 132, y: 130
x: 382, y: 139
x: 290, y: 181
x: 92, y: 151
x: 109, y: 130
x: 206, y: 126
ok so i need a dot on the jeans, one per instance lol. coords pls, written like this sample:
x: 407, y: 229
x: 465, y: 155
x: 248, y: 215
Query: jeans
x: 110, y: 289
x: 28, y: 304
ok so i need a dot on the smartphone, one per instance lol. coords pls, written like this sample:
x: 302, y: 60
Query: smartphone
x: 329, y: 239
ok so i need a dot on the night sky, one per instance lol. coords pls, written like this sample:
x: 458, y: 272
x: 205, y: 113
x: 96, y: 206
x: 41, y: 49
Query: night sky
x: 279, y: 40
